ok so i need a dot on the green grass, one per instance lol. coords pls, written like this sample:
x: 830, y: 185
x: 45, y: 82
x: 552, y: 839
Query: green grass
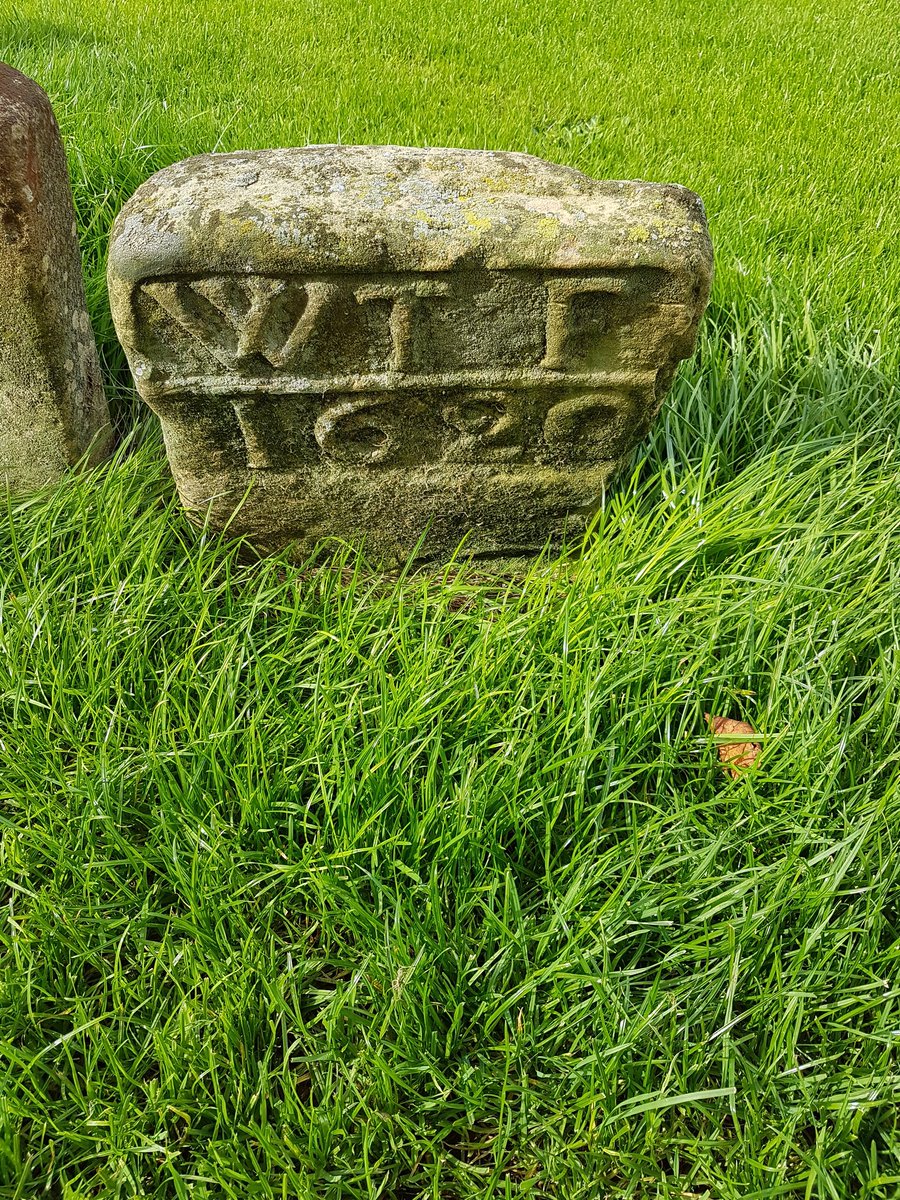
x: 317, y: 884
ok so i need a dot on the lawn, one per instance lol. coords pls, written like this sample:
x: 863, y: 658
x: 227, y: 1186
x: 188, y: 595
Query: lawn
x: 321, y: 884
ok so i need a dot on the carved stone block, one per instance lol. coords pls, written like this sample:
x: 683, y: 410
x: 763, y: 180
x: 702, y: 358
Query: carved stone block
x: 403, y: 346
x: 52, y: 407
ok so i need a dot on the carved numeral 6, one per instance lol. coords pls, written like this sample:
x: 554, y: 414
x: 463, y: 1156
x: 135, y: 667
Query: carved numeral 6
x: 363, y: 430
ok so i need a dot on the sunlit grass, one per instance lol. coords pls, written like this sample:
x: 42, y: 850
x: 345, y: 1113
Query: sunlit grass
x: 321, y: 884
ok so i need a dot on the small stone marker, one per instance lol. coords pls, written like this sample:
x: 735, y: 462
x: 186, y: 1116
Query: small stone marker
x: 52, y: 407
x: 403, y: 346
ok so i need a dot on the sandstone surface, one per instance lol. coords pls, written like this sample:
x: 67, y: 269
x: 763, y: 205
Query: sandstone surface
x: 400, y: 346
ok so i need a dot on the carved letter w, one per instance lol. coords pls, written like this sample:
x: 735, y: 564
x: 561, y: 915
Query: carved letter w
x: 238, y: 320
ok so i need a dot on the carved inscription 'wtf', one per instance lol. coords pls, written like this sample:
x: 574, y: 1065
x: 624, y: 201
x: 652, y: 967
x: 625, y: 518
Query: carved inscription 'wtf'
x: 320, y: 327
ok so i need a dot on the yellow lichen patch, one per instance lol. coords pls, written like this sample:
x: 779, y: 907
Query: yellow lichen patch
x: 498, y: 183
x: 548, y: 227
x: 479, y: 224
x: 639, y: 233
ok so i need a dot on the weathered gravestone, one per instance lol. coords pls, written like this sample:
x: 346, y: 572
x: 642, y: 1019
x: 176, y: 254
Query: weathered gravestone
x: 403, y: 346
x: 52, y: 407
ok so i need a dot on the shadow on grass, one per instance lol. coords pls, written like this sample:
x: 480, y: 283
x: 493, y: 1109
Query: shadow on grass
x: 22, y: 37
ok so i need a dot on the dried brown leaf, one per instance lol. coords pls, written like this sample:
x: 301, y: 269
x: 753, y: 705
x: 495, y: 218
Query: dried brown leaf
x: 460, y: 601
x: 735, y: 757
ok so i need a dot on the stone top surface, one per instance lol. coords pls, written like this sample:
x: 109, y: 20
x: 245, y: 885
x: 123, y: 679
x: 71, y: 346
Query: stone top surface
x: 21, y: 96
x: 377, y: 208
x: 29, y: 139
